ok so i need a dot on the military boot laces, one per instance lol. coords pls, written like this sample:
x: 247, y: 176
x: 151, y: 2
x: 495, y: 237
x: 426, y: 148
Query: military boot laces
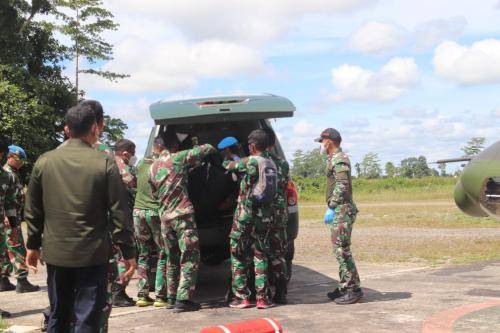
x: 351, y: 296
x: 281, y: 291
x: 5, y: 284
x: 24, y: 286
x: 185, y: 306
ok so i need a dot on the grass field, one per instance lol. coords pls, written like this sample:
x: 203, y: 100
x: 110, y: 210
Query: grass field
x: 414, y: 224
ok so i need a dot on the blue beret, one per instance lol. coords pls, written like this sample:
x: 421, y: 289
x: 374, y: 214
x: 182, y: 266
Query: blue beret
x: 17, y: 150
x: 227, y: 142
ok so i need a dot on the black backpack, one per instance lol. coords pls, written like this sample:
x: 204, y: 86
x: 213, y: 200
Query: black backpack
x: 265, y: 190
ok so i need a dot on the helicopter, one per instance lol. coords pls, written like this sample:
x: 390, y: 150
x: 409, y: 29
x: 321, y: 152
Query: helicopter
x: 477, y: 192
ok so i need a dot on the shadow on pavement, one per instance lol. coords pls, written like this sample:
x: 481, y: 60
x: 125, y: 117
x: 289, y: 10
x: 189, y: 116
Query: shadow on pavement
x: 27, y: 313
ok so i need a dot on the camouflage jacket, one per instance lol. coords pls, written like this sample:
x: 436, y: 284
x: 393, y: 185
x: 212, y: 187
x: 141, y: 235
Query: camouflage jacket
x: 19, y: 196
x: 168, y: 178
x: 339, y: 182
x: 7, y: 196
x: 103, y: 148
x: 283, y: 177
x: 129, y: 178
x: 248, y: 168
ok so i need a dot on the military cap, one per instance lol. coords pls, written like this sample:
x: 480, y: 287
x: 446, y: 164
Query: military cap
x: 329, y: 133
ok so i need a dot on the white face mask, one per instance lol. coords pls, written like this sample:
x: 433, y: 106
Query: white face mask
x: 323, y: 150
x: 133, y: 160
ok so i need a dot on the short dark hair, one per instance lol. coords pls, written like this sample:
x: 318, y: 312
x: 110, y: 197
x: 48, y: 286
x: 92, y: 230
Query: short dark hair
x: 124, y: 145
x: 96, y: 107
x: 170, y: 139
x: 271, y: 136
x: 79, y: 120
x: 4, y: 145
x: 259, y: 138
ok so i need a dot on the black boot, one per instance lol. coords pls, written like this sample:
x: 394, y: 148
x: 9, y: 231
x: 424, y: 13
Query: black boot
x: 120, y: 297
x: 185, y: 306
x: 5, y: 284
x: 24, y: 286
x: 281, y: 291
x: 351, y: 296
x: 333, y: 295
x: 4, y: 314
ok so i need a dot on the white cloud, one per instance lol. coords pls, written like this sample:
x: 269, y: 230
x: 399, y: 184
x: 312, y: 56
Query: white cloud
x: 391, y: 81
x: 413, y: 113
x: 469, y: 65
x: 175, y: 65
x: 303, y: 127
x: 377, y: 37
x: 430, y: 33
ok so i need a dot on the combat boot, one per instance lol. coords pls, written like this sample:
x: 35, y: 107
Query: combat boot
x: 333, y: 295
x: 4, y: 314
x: 24, y: 286
x: 144, y: 300
x: 185, y: 306
x: 120, y: 298
x: 351, y: 296
x: 5, y: 284
x: 281, y: 291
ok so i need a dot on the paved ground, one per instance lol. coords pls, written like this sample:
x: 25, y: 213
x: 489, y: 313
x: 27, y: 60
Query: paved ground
x: 398, y: 298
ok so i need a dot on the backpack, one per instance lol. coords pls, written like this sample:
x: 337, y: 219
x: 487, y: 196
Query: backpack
x: 265, y: 189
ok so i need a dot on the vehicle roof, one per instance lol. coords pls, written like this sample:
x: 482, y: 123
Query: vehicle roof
x: 221, y: 108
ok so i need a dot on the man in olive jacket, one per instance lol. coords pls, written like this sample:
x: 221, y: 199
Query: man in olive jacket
x: 75, y: 198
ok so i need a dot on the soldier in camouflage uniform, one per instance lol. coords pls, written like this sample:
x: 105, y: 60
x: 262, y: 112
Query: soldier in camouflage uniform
x: 277, y: 236
x: 249, y: 237
x: 15, y: 242
x: 148, y: 232
x: 340, y: 216
x: 125, y: 160
x: 7, y: 204
x: 168, y: 178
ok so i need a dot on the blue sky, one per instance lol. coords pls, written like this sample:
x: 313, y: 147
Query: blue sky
x: 399, y: 78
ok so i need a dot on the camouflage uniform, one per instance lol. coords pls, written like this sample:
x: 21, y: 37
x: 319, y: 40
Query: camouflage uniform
x: 15, y: 242
x: 168, y: 178
x: 112, y: 267
x: 339, y: 198
x: 277, y: 237
x: 7, y: 209
x: 148, y: 232
x: 249, y: 236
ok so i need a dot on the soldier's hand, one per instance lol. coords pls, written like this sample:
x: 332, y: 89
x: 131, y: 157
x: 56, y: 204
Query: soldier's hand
x: 130, y: 267
x: 32, y: 259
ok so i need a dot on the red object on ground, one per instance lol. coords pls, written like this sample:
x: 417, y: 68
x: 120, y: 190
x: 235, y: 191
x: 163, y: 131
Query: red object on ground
x: 261, y: 325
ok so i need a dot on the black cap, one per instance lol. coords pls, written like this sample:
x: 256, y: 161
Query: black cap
x: 330, y: 133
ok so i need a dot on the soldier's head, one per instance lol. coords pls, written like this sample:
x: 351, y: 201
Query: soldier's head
x: 171, y: 141
x: 258, y: 141
x: 158, y: 145
x: 81, y: 124
x: 4, y: 146
x: 125, y: 149
x: 96, y: 107
x: 330, y: 141
x: 230, y: 148
x: 16, y: 157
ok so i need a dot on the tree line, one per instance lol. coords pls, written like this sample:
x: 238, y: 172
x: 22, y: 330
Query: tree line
x: 312, y: 164
x: 34, y: 92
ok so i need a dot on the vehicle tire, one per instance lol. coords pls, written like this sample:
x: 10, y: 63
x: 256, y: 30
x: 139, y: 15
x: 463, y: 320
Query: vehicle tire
x: 289, y: 258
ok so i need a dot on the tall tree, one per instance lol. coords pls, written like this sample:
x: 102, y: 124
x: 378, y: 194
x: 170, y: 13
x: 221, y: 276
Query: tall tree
x: 310, y: 164
x: 413, y: 167
x: 84, y: 24
x: 390, y: 169
x: 474, y: 146
x: 442, y: 169
x: 370, y: 166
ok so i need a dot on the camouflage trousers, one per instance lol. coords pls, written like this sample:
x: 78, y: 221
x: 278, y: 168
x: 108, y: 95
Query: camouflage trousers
x: 180, y: 237
x: 148, y: 234
x: 249, y: 241
x: 278, y: 243
x: 12, y: 251
x: 341, y: 230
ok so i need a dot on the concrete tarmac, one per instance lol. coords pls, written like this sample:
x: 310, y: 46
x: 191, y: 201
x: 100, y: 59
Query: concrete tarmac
x: 398, y: 298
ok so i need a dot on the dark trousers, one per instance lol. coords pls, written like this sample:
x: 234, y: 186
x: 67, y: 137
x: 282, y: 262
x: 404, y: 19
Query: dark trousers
x: 77, y: 298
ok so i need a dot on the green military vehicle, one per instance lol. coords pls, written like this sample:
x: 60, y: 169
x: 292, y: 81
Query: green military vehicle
x: 211, y: 189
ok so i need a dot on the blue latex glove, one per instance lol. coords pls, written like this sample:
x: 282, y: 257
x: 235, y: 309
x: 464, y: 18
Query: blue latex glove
x: 329, y: 215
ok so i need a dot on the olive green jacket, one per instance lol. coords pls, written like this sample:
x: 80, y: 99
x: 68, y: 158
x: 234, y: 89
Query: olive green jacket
x: 75, y: 198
